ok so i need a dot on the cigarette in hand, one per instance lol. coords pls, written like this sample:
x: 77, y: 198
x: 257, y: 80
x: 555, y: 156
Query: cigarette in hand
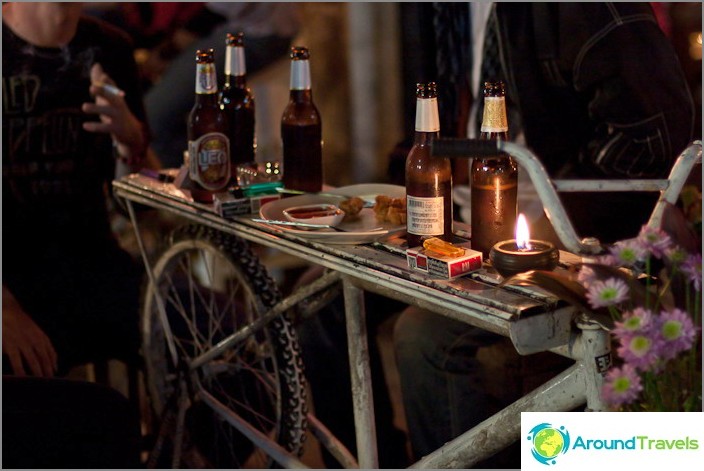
x: 110, y: 89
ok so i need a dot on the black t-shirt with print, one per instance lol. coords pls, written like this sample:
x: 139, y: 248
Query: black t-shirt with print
x: 59, y: 257
x: 55, y: 174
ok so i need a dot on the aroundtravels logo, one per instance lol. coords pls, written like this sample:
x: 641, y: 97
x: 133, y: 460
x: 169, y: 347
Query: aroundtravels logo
x: 548, y: 442
x: 575, y: 441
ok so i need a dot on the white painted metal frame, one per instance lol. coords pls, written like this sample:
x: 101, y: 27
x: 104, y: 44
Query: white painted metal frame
x: 361, y: 268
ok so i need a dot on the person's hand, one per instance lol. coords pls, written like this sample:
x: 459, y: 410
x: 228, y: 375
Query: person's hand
x: 24, y: 342
x: 116, y: 118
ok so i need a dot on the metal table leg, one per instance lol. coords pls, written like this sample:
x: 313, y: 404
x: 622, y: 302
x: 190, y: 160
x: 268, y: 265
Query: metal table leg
x: 360, y: 375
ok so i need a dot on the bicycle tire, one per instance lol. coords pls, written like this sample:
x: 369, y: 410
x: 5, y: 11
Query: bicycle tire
x: 261, y: 377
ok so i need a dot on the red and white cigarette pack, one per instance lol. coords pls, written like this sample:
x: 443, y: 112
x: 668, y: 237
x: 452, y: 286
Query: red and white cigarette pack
x: 440, y: 266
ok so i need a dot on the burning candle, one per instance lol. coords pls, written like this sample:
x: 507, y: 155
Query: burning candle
x: 513, y: 256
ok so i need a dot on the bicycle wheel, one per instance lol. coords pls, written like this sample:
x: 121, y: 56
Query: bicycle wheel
x: 212, y: 285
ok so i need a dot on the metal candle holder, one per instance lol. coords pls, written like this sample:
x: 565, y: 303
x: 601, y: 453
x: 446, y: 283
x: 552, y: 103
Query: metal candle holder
x: 508, y: 259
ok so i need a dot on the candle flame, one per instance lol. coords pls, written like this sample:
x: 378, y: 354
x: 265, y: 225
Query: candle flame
x: 522, y: 233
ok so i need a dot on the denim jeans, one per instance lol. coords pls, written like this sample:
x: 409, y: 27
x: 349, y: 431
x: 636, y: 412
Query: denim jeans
x: 323, y: 339
x: 441, y: 378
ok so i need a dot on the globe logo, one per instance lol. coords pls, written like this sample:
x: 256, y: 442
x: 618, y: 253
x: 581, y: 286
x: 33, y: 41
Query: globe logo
x: 548, y: 442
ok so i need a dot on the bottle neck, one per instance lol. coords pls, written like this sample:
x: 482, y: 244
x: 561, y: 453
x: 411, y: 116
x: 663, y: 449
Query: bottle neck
x: 425, y: 138
x: 300, y: 75
x: 427, y: 118
x: 206, y: 81
x: 235, y: 64
x: 301, y: 96
x: 494, y: 121
x: 236, y: 81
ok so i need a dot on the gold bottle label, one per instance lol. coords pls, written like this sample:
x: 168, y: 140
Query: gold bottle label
x: 494, y: 119
x: 209, y: 161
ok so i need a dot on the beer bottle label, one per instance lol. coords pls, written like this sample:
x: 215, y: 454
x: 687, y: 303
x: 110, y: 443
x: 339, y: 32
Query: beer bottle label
x: 427, y: 119
x: 205, y: 79
x: 209, y: 161
x: 234, y: 61
x: 300, y: 75
x: 494, y: 119
x: 425, y: 216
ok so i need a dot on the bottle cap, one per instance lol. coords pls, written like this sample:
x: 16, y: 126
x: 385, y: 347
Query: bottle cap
x: 299, y: 53
x: 205, y: 55
x: 236, y: 39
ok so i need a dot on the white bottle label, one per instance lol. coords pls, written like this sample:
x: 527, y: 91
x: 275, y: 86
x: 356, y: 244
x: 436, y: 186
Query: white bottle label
x: 234, y: 61
x: 300, y: 75
x: 425, y: 216
x: 206, y: 83
x: 427, y: 119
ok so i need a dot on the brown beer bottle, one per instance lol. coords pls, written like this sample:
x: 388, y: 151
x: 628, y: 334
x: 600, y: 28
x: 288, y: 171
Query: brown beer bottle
x: 301, y: 130
x: 208, y: 144
x: 494, y: 180
x: 428, y: 177
x: 238, y: 102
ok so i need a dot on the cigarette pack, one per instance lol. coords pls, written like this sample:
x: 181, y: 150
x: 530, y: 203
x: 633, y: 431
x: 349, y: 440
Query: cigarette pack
x: 227, y: 205
x: 441, y: 266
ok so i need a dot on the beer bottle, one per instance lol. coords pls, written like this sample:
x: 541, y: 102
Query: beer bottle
x: 301, y: 129
x: 494, y: 180
x: 428, y: 177
x: 208, y: 144
x: 238, y: 102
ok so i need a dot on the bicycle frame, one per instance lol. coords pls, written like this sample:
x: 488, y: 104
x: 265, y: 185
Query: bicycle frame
x: 550, y: 330
x: 547, y: 189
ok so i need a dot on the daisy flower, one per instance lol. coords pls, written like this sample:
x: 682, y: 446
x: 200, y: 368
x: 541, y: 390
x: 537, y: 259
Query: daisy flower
x: 677, y: 331
x: 629, y: 253
x: 636, y: 321
x: 641, y: 350
x: 655, y: 241
x: 622, y: 385
x: 692, y: 268
x: 607, y: 293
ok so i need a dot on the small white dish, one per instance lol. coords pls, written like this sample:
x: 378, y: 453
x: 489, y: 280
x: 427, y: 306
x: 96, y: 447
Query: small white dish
x: 322, y: 213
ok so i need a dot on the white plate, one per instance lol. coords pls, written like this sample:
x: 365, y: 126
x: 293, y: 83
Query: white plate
x: 358, y: 228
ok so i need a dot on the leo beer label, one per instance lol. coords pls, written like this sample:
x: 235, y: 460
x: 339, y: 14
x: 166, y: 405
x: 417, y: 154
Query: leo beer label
x: 209, y: 160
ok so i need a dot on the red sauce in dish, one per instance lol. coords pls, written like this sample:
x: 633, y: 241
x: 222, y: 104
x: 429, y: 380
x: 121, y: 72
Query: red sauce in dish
x: 314, y: 211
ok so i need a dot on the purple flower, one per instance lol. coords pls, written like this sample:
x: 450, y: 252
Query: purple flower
x: 622, y: 385
x: 641, y: 350
x: 655, y: 241
x: 676, y: 255
x: 629, y: 253
x: 607, y: 293
x: 586, y: 276
x: 637, y: 321
x: 608, y: 260
x: 677, y: 332
x: 692, y: 268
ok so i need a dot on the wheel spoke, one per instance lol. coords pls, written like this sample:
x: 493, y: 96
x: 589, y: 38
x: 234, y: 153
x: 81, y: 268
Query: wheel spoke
x: 212, y: 287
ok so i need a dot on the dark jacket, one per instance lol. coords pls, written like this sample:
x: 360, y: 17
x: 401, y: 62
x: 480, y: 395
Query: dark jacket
x: 599, y: 88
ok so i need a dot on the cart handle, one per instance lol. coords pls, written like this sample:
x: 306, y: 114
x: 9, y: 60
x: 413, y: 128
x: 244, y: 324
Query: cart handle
x: 547, y: 189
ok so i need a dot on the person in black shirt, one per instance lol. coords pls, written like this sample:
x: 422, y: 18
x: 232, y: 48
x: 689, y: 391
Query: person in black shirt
x: 72, y: 110
x: 599, y: 94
